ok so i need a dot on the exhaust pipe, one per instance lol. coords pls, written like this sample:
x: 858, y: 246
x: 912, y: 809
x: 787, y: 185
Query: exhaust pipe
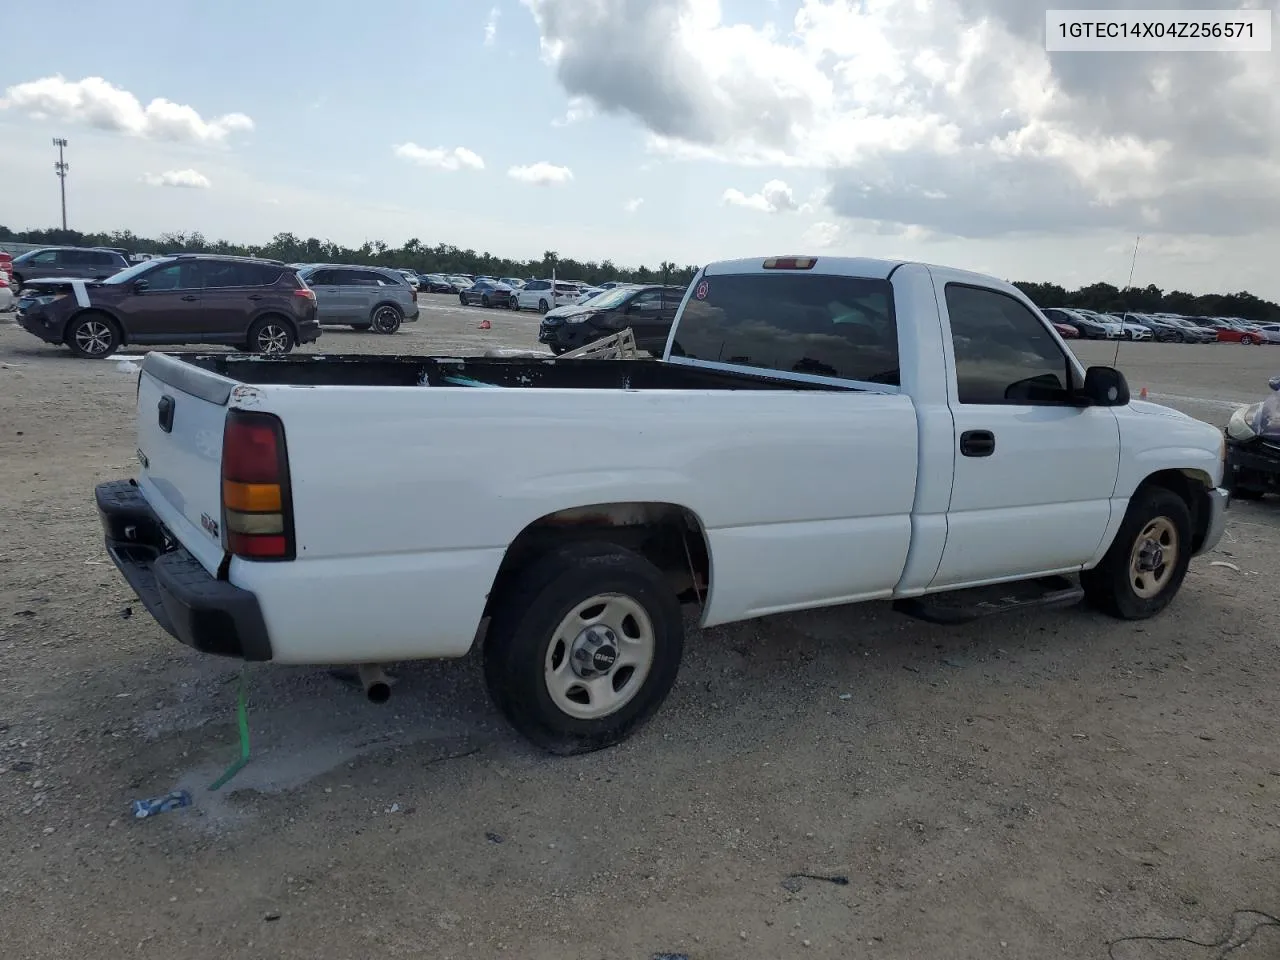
x: 377, y: 685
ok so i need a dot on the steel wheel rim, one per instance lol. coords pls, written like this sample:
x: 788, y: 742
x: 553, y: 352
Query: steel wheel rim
x: 1153, y: 557
x: 93, y: 337
x: 273, y: 338
x: 625, y: 627
x: 384, y: 320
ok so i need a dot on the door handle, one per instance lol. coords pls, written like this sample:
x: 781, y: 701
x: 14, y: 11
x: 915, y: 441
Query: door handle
x: 977, y: 443
x: 190, y: 299
x: 164, y: 411
x: 255, y: 296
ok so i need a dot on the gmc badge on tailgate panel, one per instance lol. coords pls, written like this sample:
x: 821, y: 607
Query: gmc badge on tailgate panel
x: 210, y: 525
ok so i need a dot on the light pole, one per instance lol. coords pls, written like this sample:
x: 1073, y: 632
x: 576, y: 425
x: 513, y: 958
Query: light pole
x: 61, y: 167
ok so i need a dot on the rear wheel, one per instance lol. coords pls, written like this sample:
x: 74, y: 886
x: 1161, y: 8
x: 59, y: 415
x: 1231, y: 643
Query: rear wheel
x: 271, y: 336
x: 484, y: 301
x: 1146, y: 563
x: 462, y: 299
x: 1246, y: 339
x: 513, y: 304
x: 386, y: 319
x: 93, y: 336
x: 583, y: 647
x: 542, y: 306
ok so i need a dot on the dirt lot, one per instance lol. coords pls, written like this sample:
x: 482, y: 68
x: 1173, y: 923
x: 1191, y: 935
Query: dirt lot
x: 1029, y: 787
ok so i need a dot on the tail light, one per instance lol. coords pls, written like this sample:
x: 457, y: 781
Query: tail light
x: 257, y: 510
x: 414, y: 293
x: 789, y: 263
x: 305, y: 292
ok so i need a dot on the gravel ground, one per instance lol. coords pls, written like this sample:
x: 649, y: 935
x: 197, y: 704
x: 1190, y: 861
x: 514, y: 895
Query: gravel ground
x: 1029, y: 787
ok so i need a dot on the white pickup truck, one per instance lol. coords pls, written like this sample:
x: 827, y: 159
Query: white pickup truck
x: 818, y: 432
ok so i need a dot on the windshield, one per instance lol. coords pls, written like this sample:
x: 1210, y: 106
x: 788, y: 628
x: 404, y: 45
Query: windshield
x: 609, y: 299
x: 129, y: 274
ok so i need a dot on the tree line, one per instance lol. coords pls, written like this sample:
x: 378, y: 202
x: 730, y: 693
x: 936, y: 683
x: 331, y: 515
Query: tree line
x: 446, y: 258
x: 414, y: 255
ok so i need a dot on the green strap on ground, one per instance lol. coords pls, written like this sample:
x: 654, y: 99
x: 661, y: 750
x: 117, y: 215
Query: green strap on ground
x: 242, y: 721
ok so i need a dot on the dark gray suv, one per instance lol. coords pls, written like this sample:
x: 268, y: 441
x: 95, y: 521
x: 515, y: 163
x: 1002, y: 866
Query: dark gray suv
x: 66, y: 263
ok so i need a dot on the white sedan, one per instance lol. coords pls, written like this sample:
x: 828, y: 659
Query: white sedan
x: 7, y: 299
x: 1269, y: 332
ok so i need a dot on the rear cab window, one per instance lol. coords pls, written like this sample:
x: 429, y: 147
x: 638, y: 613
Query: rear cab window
x: 818, y: 324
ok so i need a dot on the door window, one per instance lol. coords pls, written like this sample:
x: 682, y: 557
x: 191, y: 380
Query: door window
x: 322, y: 278
x: 1004, y: 353
x: 183, y: 275
x: 46, y: 258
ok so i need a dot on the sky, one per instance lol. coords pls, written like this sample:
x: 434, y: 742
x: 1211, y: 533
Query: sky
x: 644, y: 130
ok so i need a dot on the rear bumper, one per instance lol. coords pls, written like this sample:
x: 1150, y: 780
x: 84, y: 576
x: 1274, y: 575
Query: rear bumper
x: 308, y: 331
x: 207, y: 614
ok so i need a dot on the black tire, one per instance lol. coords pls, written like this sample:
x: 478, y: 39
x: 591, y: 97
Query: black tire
x: 513, y: 303
x: 271, y: 336
x: 1245, y: 493
x: 522, y: 643
x: 1111, y: 586
x: 542, y: 306
x: 557, y: 349
x: 386, y: 319
x: 93, y: 335
x: 484, y: 301
x: 462, y: 299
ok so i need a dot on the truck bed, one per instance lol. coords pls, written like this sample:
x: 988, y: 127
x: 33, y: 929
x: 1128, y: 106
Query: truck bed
x: 332, y: 370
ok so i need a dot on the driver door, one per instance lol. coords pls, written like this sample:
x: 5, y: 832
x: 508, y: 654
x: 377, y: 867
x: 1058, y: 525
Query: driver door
x: 1034, y: 475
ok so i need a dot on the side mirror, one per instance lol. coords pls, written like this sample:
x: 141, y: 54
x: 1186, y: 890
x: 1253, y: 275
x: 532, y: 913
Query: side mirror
x: 140, y: 285
x: 1105, y: 387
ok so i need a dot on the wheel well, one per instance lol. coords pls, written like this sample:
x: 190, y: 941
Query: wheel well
x: 669, y: 536
x: 1191, y: 486
x: 124, y: 338
x: 386, y: 303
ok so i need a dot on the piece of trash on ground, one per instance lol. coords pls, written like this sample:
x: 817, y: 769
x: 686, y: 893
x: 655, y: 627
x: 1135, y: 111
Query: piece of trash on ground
x: 155, y: 805
x: 1224, y: 563
x: 846, y: 696
x: 127, y: 366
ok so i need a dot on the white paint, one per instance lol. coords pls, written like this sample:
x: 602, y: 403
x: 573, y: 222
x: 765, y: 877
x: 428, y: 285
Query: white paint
x: 405, y: 500
x: 1207, y: 401
x: 81, y: 294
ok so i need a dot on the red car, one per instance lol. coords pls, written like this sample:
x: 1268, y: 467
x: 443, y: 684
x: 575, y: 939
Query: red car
x: 1238, y: 335
x: 1066, y: 331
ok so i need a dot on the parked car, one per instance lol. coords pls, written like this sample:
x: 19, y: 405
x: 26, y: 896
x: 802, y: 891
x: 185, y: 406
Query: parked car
x: 1065, y: 330
x: 57, y: 263
x: 1270, y: 332
x: 818, y: 433
x: 257, y: 305
x: 436, y: 283
x: 538, y: 295
x: 6, y: 265
x: 487, y: 293
x: 458, y: 283
x: 1193, y: 332
x: 7, y: 298
x: 647, y: 310
x: 1132, y: 329
x: 411, y: 278
x: 515, y: 283
x: 1089, y: 328
x: 1158, y: 328
x: 1236, y: 334
x: 1253, y: 447
x: 362, y: 298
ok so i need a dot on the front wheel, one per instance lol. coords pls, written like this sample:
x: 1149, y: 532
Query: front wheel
x: 583, y: 647
x: 386, y: 319
x: 462, y: 299
x: 93, y: 336
x: 484, y: 301
x: 513, y: 304
x: 271, y: 336
x: 542, y: 306
x: 1146, y: 563
x: 1246, y: 340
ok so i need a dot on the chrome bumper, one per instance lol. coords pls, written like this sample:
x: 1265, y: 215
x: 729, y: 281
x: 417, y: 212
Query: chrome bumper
x: 1219, y: 500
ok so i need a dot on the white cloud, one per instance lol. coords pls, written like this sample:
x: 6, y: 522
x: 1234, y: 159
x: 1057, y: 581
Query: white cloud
x: 541, y: 173
x: 632, y: 205
x: 192, y: 179
x: 439, y: 158
x: 579, y: 109
x: 823, y: 234
x: 774, y: 197
x: 96, y: 103
x: 944, y: 114
x: 491, y: 27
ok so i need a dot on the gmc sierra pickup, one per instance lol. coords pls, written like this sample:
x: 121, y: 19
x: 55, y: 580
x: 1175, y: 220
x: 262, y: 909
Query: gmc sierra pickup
x: 818, y: 432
